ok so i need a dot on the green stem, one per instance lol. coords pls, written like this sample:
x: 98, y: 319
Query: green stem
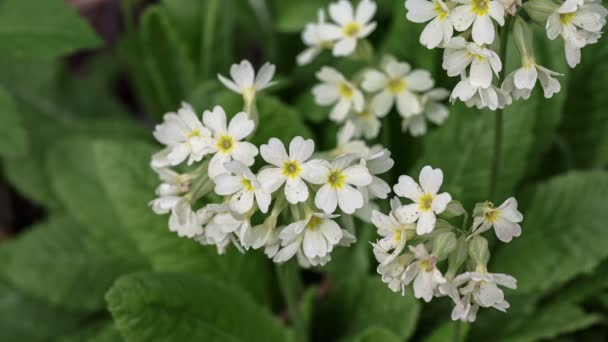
x: 498, y: 124
x: 289, y: 283
x: 210, y: 15
x: 456, y: 331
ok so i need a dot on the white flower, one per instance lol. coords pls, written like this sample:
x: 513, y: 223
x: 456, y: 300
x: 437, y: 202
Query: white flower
x: 392, y: 272
x: 491, y: 97
x: 292, y: 169
x: 433, y: 111
x: 220, y: 226
x: 397, y: 84
x: 184, y: 221
x: 337, y: 178
x: 264, y: 235
x: 170, y: 191
x: 244, y: 80
x: 521, y: 82
x: 311, y: 36
x: 184, y: 135
x: 347, y: 144
x: 478, y: 14
x: 335, y: 89
x: 440, y: 27
x: 243, y: 186
x: 350, y: 25
x: 505, y: 219
x: 395, y: 234
x: 482, y: 290
x: 424, y: 273
x: 377, y: 163
x: 366, y: 124
x: 459, y: 54
x: 427, y: 201
x: 579, y: 23
x: 312, y: 239
x: 227, y: 144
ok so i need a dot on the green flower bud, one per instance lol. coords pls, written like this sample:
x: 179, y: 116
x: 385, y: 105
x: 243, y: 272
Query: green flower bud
x: 478, y: 250
x: 523, y: 38
x: 458, y: 256
x: 540, y: 10
x: 453, y: 209
x: 443, y: 245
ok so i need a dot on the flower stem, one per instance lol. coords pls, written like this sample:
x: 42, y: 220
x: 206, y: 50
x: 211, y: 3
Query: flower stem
x: 289, y: 283
x: 498, y: 123
x: 456, y: 331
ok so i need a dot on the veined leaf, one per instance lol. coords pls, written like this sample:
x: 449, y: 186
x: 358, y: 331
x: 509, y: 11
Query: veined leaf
x: 13, y: 138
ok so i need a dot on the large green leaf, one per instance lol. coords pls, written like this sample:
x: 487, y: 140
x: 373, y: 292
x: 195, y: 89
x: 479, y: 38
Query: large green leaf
x: 42, y: 29
x: 98, y: 332
x: 353, y: 307
x: 82, y: 268
x: 446, y: 332
x: 181, y: 307
x: 292, y: 16
x: 564, y: 233
x: 13, y: 138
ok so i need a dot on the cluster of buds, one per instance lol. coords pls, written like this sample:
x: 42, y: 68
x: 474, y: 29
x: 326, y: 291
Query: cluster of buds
x: 418, y: 239
x: 465, y: 29
x: 290, y: 206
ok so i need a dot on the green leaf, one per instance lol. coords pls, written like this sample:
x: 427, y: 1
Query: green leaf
x: 13, y: 138
x: 98, y: 332
x: 292, y: 16
x: 445, y: 332
x: 83, y: 269
x: 42, y: 29
x: 23, y: 318
x: 183, y: 307
x: 563, y: 236
x: 353, y: 307
x: 377, y: 334
x: 582, y: 288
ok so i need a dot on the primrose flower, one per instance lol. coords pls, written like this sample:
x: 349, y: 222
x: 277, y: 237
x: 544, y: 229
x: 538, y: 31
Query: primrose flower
x: 491, y: 97
x: 436, y: 12
x: 520, y: 82
x: 220, y: 226
x: 377, y: 163
x: 424, y: 273
x: 337, y: 179
x: 291, y: 170
x: 311, y: 36
x: 170, y: 191
x: 505, y: 219
x: 459, y: 54
x: 185, y: 138
x: 479, y: 14
x: 350, y: 25
x: 245, y: 81
x: 427, y: 201
x: 395, y: 234
x: 347, y: 142
x: 434, y: 111
x: 243, y: 186
x: 397, y: 83
x: 366, y: 124
x: 184, y: 221
x: 392, y: 272
x: 227, y: 144
x: 335, y: 89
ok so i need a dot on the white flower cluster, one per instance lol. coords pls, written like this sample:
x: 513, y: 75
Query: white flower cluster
x: 432, y: 242
x: 300, y: 195
x: 471, y: 53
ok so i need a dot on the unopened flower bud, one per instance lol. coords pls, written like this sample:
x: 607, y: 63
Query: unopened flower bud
x: 444, y: 244
x: 478, y: 250
x: 458, y: 255
x: 453, y: 209
x: 510, y: 6
x: 523, y: 38
x: 540, y: 10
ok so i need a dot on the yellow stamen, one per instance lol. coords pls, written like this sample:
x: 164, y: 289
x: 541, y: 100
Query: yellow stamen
x: 396, y: 85
x: 346, y: 91
x: 566, y: 18
x: 336, y: 179
x: 441, y: 13
x: 427, y: 265
x: 425, y: 202
x: 313, y: 223
x: 225, y: 143
x: 491, y: 215
x: 247, y: 184
x: 291, y: 169
x: 480, y: 7
x: 351, y: 30
x: 193, y: 133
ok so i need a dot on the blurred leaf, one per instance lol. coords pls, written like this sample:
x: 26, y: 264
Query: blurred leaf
x: 563, y: 236
x: 445, y: 332
x: 13, y: 138
x: 581, y: 288
x: 353, y: 307
x: 42, y: 29
x: 292, y: 16
x: 82, y: 268
x: 99, y: 332
x: 374, y: 334
x: 23, y: 318
x: 183, y: 307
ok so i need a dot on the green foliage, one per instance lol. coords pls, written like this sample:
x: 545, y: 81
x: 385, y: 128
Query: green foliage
x: 42, y: 29
x: 13, y: 137
x: 179, y: 307
x: 294, y: 15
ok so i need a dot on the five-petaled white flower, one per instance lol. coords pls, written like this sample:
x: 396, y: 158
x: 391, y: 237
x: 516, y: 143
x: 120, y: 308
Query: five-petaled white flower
x: 350, y: 25
x: 520, y: 82
x: 491, y: 97
x: 312, y: 239
x: 459, y: 54
x: 392, y: 272
x: 338, y: 178
x: 434, y: 111
x: 347, y: 143
x: 377, y: 163
x: 311, y: 36
x: 227, y: 144
x: 291, y: 170
x: 427, y: 201
x: 245, y: 81
x: 505, y: 219
x: 478, y: 13
x: 170, y: 191
x: 424, y: 273
x: 395, y: 234
x: 185, y: 137
x: 264, y: 235
x: 482, y: 290
x: 243, y: 186
x: 219, y: 226
x: 579, y: 23
x: 439, y: 29
x: 335, y: 89
x: 366, y: 124
x: 397, y: 84
x: 184, y: 221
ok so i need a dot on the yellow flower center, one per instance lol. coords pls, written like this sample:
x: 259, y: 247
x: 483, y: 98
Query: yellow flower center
x: 491, y: 215
x: 397, y: 235
x: 346, y: 91
x: 396, y: 85
x: 365, y: 114
x: 225, y: 143
x: 313, y: 223
x: 291, y: 169
x: 247, y: 184
x: 193, y: 133
x: 425, y: 202
x: 351, y: 30
x: 427, y: 265
x: 336, y: 179
x: 480, y: 7
x: 566, y: 18
x: 441, y: 13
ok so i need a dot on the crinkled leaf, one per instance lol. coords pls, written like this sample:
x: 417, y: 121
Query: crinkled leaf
x: 13, y: 138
